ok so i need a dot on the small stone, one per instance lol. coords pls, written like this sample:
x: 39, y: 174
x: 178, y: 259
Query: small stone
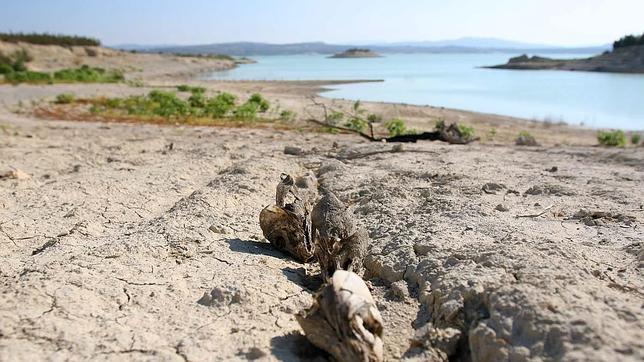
x: 16, y: 174
x: 293, y: 150
x: 502, y: 208
x: 492, y: 188
x: 397, y: 148
x: 217, y: 229
x: 399, y: 289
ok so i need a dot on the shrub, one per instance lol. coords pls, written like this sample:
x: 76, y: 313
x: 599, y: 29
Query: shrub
x: 356, y: 124
x: 334, y: 117
x: 287, y: 115
x: 49, y: 39
x: 262, y: 104
x: 86, y: 74
x: 191, y: 89
x: 526, y: 139
x: 396, y: 127
x: 28, y: 77
x: 635, y: 138
x: 220, y: 105
x: 467, y: 132
x: 14, y: 62
x: 440, y: 124
x: 65, y: 98
x: 615, y: 138
x: 247, y: 110
x: 167, y: 104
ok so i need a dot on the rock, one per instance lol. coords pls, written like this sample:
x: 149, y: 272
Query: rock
x: 219, y: 297
x: 549, y: 189
x: 293, y: 150
x: 399, y: 289
x: 501, y: 207
x: 16, y: 174
x: 217, y: 229
x: 492, y: 188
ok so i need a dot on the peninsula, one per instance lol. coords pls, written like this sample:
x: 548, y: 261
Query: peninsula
x: 627, y: 56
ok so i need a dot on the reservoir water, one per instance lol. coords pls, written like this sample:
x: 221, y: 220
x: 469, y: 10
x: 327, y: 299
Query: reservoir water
x: 602, y: 100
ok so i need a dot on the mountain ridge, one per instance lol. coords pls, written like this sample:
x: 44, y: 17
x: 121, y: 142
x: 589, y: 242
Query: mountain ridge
x: 461, y: 45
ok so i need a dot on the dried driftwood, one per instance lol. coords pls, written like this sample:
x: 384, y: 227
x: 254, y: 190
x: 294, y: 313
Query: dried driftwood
x: 339, y: 243
x: 344, y: 320
x: 287, y: 225
x: 450, y: 134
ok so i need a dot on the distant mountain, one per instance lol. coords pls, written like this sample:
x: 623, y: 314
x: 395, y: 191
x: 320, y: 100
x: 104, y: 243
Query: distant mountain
x: 463, y: 45
x: 473, y: 42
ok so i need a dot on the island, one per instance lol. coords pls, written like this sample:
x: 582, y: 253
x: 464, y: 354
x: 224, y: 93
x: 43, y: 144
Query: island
x: 627, y: 56
x: 356, y: 53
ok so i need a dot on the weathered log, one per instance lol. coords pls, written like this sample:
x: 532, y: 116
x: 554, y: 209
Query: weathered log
x: 339, y: 242
x: 344, y: 320
x: 287, y: 226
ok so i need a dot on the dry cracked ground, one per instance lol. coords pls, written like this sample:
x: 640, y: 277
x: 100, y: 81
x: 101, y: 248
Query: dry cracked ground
x: 142, y: 242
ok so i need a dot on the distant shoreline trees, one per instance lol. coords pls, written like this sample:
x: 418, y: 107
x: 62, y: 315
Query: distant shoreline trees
x: 629, y: 40
x: 49, y: 39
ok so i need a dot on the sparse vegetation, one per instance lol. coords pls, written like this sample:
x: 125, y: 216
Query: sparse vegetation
x: 168, y: 105
x: 65, y: 98
x: 82, y: 74
x: 635, y: 138
x: 49, y: 39
x: 614, y: 138
x: 14, y: 69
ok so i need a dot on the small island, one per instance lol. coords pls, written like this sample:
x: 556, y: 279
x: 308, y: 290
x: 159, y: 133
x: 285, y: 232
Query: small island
x: 627, y: 56
x: 356, y: 53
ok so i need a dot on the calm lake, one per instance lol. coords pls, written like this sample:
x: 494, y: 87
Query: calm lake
x: 457, y: 81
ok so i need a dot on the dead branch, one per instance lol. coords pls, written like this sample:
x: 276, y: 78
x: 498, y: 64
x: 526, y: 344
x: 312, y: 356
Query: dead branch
x: 539, y: 214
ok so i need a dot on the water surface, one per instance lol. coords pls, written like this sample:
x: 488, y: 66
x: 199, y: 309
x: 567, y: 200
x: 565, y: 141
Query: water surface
x: 458, y: 81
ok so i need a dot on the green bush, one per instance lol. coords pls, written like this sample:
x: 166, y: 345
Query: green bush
x: 526, y: 139
x: 220, y: 105
x: 635, y: 138
x: 287, y: 115
x: 356, y: 124
x: 86, y: 74
x: 396, y: 127
x: 28, y: 77
x: 615, y: 138
x: 247, y: 110
x: 14, y: 62
x: 65, y: 98
x: 467, y: 132
x: 169, y: 105
x: 191, y: 89
x: 262, y: 104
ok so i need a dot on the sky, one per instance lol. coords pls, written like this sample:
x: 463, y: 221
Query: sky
x: 554, y: 22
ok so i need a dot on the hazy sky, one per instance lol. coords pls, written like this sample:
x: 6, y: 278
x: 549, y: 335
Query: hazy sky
x: 557, y: 22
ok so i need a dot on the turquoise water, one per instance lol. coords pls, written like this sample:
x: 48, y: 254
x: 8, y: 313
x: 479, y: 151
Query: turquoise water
x: 457, y: 81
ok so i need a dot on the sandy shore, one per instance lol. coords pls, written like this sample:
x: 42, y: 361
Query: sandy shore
x: 485, y: 252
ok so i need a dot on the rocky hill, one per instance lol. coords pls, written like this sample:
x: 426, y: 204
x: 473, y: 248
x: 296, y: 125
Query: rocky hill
x: 621, y: 60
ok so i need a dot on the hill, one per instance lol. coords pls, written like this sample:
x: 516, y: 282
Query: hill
x: 629, y: 59
x: 465, y: 45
